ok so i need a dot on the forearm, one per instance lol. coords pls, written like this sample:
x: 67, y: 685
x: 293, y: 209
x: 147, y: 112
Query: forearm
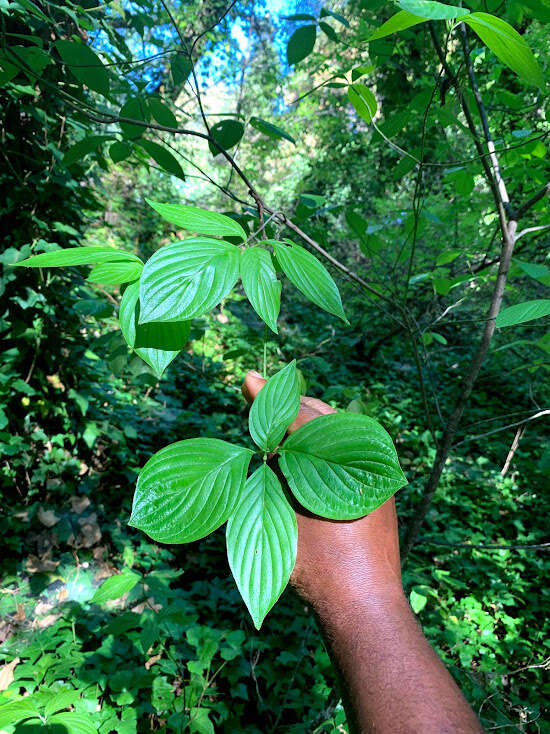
x: 392, y: 680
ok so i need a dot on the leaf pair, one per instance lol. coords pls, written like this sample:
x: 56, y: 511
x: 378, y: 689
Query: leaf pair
x: 341, y: 466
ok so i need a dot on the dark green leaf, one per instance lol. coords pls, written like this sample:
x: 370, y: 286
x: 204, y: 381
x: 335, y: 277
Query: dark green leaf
x: 165, y: 159
x: 85, y: 65
x: 260, y: 284
x: 79, y: 150
x: 161, y: 112
x: 301, y: 44
x: 133, y: 109
x: 119, y: 151
x: 115, y: 586
x: 272, y: 131
x: 227, y: 134
x: 325, y: 13
x: 329, y: 31
x: 180, y: 67
x: 275, y: 407
x: 198, y: 220
x: 522, y: 312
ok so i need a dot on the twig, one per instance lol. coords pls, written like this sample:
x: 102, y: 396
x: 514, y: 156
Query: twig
x: 489, y: 546
x: 540, y: 414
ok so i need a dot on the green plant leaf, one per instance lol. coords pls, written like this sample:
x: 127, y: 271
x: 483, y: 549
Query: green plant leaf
x: 363, y: 100
x: 260, y: 284
x: 262, y: 537
x: 165, y: 159
x: 77, y: 256
x: 199, y: 220
x: 188, y: 489
x: 181, y: 66
x: 73, y: 723
x: 431, y: 10
x: 271, y: 130
x: 301, y: 44
x: 79, y: 150
x: 227, y: 133
x: 134, y: 109
x: 119, y: 151
x: 522, y: 312
x: 326, y: 13
x: 157, y: 343
x: 111, y: 273
x: 61, y: 700
x: 85, y: 65
x: 309, y: 276
x: 275, y: 407
x: 398, y: 22
x: 115, y: 586
x: 188, y: 278
x: 341, y: 466
x: 507, y: 44
x: 16, y: 711
x: 161, y: 112
x: 417, y: 601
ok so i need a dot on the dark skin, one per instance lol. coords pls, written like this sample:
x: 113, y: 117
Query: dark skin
x: 349, y: 572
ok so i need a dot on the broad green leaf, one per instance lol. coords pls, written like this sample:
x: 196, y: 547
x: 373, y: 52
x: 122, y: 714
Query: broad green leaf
x: 161, y: 155
x: 507, y: 44
x: 73, y: 723
x: 275, y: 407
x: 398, y: 22
x: 522, y: 312
x: 115, y: 586
x: 77, y: 256
x: 260, y: 284
x: 161, y: 112
x: 325, y: 13
x: 79, y: 150
x: 431, y: 10
x: 301, y: 44
x: 448, y: 256
x: 188, y: 489
x: 180, y: 67
x: 310, y: 277
x: 16, y: 711
x: 188, y: 278
x: 199, y: 721
x: 61, y: 700
x: 133, y: 109
x: 227, y: 133
x: 535, y: 270
x: 363, y: 100
x: 157, y: 343
x: 271, y: 130
x: 199, y: 220
x: 85, y: 65
x: 262, y: 537
x: 329, y: 31
x: 119, y: 151
x: 341, y: 466
x: 113, y: 273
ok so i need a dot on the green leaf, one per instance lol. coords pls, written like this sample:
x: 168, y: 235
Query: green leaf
x: 85, y: 65
x: 165, y: 159
x: 157, y: 343
x: 507, y: 44
x: 363, y: 100
x: 275, y: 407
x: 398, y: 22
x: 188, y: 278
x: 119, y: 151
x: 227, y: 134
x: 199, y: 220
x: 112, y: 273
x: 76, y: 256
x: 73, y: 723
x: 341, y: 466
x: 431, y: 10
x: 260, y: 284
x: 199, y: 722
x: 79, y: 150
x: 417, y: 601
x: 448, y: 256
x: 180, y: 67
x: 16, y: 711
x: 134, y: 109
x: 262, y: 537
x: 325, y: 13
x: 329, y: 31
x: 161, y: 112
x: 115, y: 586
x: 188, y: 489
x: 522, y: 312
x: 310, y: 277
x: 301, y: 44
x: 61, y: 700
x: 271, y: 130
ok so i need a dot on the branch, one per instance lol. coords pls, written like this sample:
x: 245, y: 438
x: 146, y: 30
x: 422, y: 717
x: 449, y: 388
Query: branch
x: 488, y: 546
x: 533, y: 200
x: 540, y: 414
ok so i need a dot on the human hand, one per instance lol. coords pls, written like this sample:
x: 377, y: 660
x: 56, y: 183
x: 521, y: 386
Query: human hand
x: 340, y: 560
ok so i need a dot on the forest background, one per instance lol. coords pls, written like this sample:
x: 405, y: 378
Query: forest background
x: 416, y: 221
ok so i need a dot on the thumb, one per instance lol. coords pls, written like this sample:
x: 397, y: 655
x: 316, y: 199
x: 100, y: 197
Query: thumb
x: 253, y: 383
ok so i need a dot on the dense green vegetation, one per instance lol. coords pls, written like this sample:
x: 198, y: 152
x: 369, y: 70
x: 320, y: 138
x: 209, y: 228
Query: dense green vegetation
x: 376, y: 156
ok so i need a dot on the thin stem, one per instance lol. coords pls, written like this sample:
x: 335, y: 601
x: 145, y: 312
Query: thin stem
x: 264, y: 370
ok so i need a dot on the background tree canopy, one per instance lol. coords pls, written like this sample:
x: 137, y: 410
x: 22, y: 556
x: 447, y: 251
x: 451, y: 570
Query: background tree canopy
x: 405, y: 145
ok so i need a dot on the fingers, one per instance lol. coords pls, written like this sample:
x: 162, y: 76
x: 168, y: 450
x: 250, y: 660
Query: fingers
x: 253, y: 383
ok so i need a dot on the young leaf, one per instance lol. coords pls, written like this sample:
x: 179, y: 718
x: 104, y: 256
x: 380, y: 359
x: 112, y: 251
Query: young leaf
x: 506, y: 43
x: 262, y: 537
x: 275, y: 407
x: 522, y: 312
x: 186, y: 279
x: 112, y: 273
x: 163, y: 157
x: 301, y: 44
x: 431, y: 10
x: 271, y: 130
x: 199, y: 220
x: 157, y: 343
x: 363, y: 100
x: 341, y: 466
x: 310, y: 277
x: 85, y: 65
x: 188, y: 489
x: 77, y: 256
x: 115, y: 586
x: 260, y: 284
x: 227, y: 134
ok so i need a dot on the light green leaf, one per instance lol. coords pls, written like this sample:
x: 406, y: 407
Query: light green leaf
x: 77, y: 256
x: 188, y: 278
x: 448, y: 256
x: 363, y: 100
x: 260, y: 284
x: 85, y: 65
x: 111, y: 273
x: 115, y: 586
x: 522, y: 312
x: 199, y: 722
x: 431, y: 10
x: 199, y: 220
x: 262, y: 537
x: 271, y: 130
x: 61, y: 700
x: 417, y: 601
x: 341, y: 466
x: 309, y: 276
x: 165, y: 159
x: 275, y: 407
x: 301, y: 44
x: 16, y: 711
x: 73, y: 723
x: 507, y: 44
x: 188, y: 489
x: 398, y: 22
